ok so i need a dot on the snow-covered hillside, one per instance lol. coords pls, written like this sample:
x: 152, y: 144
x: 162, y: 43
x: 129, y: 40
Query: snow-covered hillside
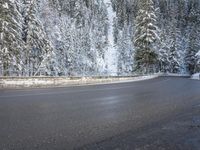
x: 111, y: 54
x: 94, y: 38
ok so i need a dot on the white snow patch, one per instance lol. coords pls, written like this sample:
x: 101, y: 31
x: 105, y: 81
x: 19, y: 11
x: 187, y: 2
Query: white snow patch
x: 176, y: 75
x: 196, y: 76
x: 140, y: 78
x: 60, y: 82
x: 111, y: 55
x: 5, y: 5
x: 198, y: 54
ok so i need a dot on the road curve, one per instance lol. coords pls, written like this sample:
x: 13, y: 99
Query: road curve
x: 157, y: 114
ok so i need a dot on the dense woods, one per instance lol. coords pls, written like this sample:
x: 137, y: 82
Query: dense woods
x: 99, y: 37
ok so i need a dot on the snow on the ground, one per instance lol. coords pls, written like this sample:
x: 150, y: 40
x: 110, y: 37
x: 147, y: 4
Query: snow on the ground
x: 28, y: 82
x: 38, y: 82
x: 175, y: 75
x: 196, y: 76
x: 140, y: 78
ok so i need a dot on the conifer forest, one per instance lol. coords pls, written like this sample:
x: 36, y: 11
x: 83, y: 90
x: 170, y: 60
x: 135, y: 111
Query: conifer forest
x: 99, y: 37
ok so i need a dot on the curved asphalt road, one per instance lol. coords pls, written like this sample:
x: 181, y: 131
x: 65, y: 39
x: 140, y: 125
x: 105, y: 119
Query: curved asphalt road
x: 157, y: 114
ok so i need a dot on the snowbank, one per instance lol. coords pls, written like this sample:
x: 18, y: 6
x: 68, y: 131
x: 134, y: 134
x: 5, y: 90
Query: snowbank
x: 22, y: 82
x: 175, y: 75
x: 196, y: 76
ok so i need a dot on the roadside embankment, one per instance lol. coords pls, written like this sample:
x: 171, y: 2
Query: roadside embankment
x: 37, y: 82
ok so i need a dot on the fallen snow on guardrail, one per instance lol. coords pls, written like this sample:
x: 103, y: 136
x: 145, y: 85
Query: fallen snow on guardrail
x: 17, y: 82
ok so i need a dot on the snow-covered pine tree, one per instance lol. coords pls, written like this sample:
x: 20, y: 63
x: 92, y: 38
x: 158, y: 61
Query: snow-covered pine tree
x: 146, y: 35
x: 98, y: 35
x: 125, y: 51
x: 193, y: 47
x: 198, y: 62
x: 11, y: 43
x: 36, y: 41
x: 49, y: 65
x: 60, y: 22
x: 174, y: 55
x: 68, y: 57
x: 193, y: 41
x: 174, y: 44
x: 164, y: 49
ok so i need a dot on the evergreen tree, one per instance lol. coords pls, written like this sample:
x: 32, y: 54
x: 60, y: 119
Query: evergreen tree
x: 146, y: 35
x: 71, y: 37
x: 193, y: 41
x: 36, y: 42
x: 193, y: 47
x: 164, y: 53
x: 11, y: 43
x: 198, y: 62
x: 125, y: 51
x: 174, y: 55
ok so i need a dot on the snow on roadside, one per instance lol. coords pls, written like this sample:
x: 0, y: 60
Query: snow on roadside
x: 196, y: 76
x: 132, y: 79
x: 55, y: 82
x: 175, y: 75
x: 27, y: 82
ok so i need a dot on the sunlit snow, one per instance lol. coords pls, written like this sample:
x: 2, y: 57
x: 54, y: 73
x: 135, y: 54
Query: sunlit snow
x: 111, y: 55
x: 198, y: 54
x: 5, y: 5
x: 196, y: 76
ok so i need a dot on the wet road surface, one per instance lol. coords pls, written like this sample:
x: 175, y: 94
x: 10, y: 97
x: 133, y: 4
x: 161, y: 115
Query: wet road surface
x: 157, y: 114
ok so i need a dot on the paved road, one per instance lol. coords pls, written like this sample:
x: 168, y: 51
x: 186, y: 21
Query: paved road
x: 157, y: 114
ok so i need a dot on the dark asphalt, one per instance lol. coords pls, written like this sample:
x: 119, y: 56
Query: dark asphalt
x: 157, y: 114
